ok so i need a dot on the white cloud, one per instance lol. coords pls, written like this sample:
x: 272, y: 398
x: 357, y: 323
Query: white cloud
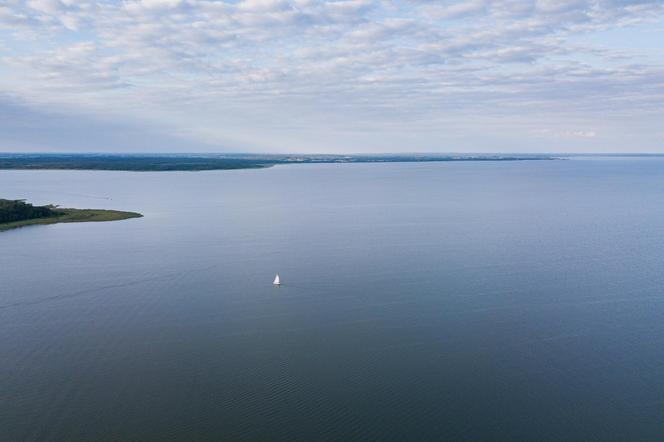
x: 277, y: 70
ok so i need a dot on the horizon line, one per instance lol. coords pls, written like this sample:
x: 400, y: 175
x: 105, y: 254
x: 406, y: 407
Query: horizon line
x: 645, y: 153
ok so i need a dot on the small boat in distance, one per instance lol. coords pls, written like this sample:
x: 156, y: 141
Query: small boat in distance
x: 276, y: 281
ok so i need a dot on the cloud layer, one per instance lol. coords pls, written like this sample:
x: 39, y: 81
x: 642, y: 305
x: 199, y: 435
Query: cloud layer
x: 344, y: 75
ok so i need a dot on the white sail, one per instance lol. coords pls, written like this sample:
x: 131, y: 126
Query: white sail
x: 276, y: 280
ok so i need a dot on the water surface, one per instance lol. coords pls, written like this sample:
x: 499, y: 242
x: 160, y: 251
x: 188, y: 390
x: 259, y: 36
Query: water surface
x: 520, y: 300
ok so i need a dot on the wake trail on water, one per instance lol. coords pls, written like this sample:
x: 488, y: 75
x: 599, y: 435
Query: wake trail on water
x: 99, y: 289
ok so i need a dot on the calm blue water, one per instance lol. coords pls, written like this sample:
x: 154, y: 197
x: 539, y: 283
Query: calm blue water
x: 514, y: 300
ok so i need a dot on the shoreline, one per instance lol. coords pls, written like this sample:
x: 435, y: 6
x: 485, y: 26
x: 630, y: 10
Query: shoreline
x: 200, y: 163
x: 73, y: 216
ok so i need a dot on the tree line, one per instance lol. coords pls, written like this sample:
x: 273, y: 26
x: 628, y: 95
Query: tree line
x: 18, y: 210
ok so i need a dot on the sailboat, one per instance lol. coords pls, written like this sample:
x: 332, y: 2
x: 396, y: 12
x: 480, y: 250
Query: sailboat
x: 276, y: 282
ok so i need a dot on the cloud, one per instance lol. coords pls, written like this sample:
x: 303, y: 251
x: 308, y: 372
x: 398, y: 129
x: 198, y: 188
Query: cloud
x: 272, y: 72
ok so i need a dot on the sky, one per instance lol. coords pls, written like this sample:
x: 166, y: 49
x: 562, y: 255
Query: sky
x: 342, y: 76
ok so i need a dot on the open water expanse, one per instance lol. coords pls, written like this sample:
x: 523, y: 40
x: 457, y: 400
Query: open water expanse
x: 467, y: 300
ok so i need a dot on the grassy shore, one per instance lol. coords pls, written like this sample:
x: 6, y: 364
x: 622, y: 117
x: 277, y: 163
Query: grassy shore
x: 73, y: 216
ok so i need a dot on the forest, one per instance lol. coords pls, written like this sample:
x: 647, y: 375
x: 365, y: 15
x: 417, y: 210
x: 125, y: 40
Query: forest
x: 18, y: 210
x: 200, y: 162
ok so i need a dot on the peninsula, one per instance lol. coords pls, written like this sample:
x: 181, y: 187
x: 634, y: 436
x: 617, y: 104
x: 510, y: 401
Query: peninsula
x: 18, y: 213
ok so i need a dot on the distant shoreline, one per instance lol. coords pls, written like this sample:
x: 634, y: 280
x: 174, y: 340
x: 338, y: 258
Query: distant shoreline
x: 203, y: 162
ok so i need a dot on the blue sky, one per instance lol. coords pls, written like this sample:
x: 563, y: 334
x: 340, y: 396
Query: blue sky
x: 332, y: 76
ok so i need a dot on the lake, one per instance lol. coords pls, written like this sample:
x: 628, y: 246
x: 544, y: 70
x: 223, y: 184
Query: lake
x: 464, y: 300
